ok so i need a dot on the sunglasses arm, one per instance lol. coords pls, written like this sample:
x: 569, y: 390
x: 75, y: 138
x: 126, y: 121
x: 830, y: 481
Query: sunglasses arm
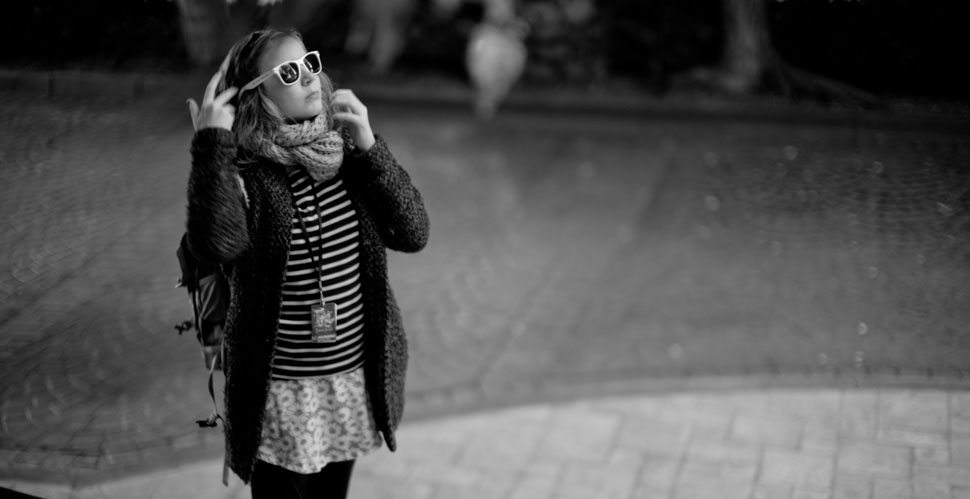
x: 257, y: 82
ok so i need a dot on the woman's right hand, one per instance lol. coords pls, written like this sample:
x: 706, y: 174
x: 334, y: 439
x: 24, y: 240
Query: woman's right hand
x: 216, y: 112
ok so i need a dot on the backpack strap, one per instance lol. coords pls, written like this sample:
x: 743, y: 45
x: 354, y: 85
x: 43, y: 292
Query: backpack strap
x: 214, y: 416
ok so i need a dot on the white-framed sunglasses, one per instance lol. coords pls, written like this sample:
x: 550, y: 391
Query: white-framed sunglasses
x: 289, y: 71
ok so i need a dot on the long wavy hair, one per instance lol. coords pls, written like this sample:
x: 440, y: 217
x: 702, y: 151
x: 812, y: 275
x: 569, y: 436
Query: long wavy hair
x: 257, y: 119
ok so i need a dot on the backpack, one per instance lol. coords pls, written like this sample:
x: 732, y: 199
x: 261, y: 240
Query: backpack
x: 208, y: 290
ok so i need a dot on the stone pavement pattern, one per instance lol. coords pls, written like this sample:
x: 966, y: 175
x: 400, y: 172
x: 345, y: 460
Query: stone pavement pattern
x: 565, y: 253
x: 762, y: 444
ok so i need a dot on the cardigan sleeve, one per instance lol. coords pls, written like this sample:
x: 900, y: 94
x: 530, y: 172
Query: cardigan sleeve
x: 216, y: 227
x: 392, y: 199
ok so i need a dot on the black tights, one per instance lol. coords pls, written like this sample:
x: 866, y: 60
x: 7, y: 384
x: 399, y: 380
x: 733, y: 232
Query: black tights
x: 272, y: 482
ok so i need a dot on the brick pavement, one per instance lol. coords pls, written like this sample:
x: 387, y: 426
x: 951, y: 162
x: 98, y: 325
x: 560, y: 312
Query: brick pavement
x: 83, y: 387
x: 566, y: 254
x: 834, y: 443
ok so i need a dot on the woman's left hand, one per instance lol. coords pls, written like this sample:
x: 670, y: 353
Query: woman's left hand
x: 350, y: 110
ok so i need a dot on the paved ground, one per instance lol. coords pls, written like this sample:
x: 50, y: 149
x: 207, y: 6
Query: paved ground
x: 744, y: 444
x: 572, y: 256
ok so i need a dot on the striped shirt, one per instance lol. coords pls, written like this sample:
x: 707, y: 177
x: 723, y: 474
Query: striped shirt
x: 334, y: 238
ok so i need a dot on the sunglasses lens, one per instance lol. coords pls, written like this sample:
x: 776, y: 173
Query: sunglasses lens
x: 312, y: 62
x: 289, y: 73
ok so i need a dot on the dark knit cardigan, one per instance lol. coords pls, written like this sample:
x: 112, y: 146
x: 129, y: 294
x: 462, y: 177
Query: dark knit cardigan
x: 251, y: 239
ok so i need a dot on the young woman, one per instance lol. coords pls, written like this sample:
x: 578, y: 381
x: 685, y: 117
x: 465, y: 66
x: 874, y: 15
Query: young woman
x: 291, y: 191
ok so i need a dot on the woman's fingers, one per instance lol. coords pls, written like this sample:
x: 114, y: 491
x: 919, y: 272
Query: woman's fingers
x: 225, y: 97
x: 344, y: 97
x: 343, y: 93
x: 349, y: 118
x: 214, y: 111
x: 350, y: 101
x: 349, y: 109
x: 210, y: 89
x: 194, y: 113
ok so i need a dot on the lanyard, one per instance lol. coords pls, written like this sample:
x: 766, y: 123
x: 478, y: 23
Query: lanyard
x: 310, y: 248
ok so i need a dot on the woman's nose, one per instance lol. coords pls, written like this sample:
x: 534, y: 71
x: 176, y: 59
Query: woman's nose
x: 305, y: 76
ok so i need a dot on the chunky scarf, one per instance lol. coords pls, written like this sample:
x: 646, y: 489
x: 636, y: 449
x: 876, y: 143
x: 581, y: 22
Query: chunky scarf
x: 310, y: 144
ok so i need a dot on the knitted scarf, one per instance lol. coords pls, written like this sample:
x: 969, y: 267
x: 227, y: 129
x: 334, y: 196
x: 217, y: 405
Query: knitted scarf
x: 310, y: 144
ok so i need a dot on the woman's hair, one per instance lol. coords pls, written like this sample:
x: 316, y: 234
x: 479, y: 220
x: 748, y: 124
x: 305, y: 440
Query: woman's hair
x: 257, y: 118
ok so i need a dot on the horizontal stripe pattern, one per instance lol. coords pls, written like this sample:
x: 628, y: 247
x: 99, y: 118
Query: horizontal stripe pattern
x: 333, y: 236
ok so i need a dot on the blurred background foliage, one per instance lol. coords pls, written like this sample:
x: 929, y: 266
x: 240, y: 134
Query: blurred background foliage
x: 887, y: 47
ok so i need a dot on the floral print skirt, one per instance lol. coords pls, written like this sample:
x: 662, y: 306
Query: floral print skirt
x: 314, y: 421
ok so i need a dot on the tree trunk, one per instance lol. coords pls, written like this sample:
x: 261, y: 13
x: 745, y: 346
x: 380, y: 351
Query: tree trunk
x: 379, y: 28
x: 205, y: 28
x: 750, y: 64
x: 747, y: 51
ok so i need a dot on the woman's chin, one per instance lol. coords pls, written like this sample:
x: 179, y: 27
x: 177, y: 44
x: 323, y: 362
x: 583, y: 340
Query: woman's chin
x: 314, y: 110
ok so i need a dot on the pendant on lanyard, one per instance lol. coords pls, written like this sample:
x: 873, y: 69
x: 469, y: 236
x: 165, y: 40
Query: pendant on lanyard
x: 324, y: 319
x: 323, y: 315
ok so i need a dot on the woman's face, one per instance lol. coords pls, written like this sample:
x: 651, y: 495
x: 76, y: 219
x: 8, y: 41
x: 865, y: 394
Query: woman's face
x: 300, y: 101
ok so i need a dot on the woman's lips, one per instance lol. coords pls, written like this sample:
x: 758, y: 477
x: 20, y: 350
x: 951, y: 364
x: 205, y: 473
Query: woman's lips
x: 313, y: 95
